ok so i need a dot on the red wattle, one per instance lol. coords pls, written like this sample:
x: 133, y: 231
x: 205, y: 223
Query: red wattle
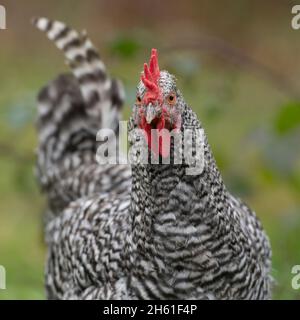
x: 163, y: 146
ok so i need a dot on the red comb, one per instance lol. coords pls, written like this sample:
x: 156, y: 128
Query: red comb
x: 150, y: 78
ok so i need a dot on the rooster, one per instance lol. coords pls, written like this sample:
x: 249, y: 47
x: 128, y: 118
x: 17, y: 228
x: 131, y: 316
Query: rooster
x: 145, y: 230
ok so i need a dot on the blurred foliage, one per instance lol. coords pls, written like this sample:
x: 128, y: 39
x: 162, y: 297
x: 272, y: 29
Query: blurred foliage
x: 125, y: 47
x: 253, y: 125
x: 288, y: 117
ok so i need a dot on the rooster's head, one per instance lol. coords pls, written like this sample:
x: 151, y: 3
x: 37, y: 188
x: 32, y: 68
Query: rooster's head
x: 158, y: 105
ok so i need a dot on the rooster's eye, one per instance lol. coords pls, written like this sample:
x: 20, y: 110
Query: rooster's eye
x: 138, y: 100
x: 171, y: 99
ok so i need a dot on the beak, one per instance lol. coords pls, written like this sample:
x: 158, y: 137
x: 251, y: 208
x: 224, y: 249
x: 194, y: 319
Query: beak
x: 150, y: 113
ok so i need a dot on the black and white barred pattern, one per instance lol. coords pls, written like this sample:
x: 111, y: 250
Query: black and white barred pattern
x: 146, y: 232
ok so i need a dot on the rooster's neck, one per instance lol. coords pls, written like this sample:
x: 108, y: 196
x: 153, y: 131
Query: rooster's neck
x: 169, y: 207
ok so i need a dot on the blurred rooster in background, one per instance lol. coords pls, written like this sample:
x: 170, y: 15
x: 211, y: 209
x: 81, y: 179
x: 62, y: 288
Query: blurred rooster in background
x: 146, y: 231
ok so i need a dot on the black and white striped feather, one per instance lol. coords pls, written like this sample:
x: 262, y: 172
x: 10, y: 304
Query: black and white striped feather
x: 140, y: 232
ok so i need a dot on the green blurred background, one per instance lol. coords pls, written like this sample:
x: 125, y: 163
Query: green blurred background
x: 237, y: 64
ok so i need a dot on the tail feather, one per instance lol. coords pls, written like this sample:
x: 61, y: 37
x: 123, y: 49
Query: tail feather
x: 63, y: 125
x: 103, y: 96
x: 72, y: 108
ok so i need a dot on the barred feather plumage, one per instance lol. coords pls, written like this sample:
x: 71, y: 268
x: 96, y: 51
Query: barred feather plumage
x: 135, y: 232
